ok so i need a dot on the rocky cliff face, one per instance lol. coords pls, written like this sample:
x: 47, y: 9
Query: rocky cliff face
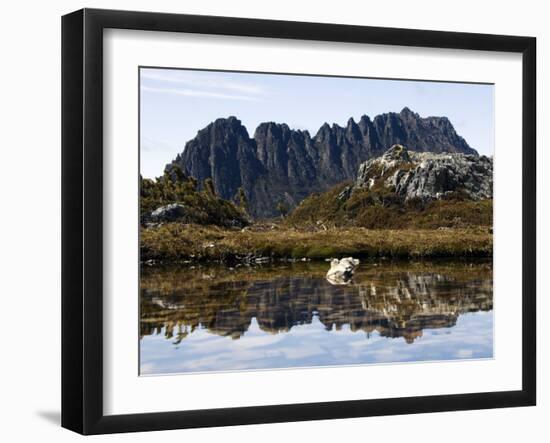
x: 279, y: 164
x: 428, y: 176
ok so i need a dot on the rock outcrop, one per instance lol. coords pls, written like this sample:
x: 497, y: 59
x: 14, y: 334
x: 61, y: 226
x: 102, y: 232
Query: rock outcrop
x: 427, y: 176
x: 341, y: 271
x: 168, y: 213
x: 282, y: 165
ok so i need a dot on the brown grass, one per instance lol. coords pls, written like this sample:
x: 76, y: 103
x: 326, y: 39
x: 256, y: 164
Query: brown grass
x: 174, y: 242
x: 381, y: 209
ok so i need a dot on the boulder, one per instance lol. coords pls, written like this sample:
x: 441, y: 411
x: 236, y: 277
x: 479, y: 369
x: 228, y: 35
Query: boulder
x: 168, y: 213
x: 341, y: 271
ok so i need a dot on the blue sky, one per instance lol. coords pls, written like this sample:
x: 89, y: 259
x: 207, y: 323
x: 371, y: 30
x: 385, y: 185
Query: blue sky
x: 176, y: 103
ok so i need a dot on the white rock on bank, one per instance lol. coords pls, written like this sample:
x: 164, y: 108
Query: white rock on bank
x: 341, y: 271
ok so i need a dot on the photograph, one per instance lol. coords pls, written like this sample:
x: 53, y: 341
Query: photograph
x: 295, y: 221
x: 236, y: 221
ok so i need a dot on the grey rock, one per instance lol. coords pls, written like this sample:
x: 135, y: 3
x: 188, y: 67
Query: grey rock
x: 279, y: 164
x: 395, y: 157
x: 345, y: 194
x: 262, y: 260
x: 429, y: 176
x: 168, y: 213
x: 341, y: 271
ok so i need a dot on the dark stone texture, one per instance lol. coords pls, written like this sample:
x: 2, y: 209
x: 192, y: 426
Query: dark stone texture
x: 279, y: 164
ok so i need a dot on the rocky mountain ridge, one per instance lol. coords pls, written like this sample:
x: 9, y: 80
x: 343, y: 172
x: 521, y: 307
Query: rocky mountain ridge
x: 282, y: 165
x: 404, y: 189
x: 427, y: 176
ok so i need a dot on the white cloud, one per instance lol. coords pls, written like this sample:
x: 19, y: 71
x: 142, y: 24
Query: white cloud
x: 221, y: 84
x: 150, y: 145
x: 465, y: 353
x: 197, y: 93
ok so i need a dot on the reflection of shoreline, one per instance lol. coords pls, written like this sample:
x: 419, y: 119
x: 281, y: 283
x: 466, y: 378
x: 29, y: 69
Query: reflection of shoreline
x: 396, y: 301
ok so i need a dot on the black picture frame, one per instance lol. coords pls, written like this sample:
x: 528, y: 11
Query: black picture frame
x: 82, y: 218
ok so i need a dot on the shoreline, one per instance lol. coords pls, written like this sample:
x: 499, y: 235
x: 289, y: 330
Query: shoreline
x: 180, y: 243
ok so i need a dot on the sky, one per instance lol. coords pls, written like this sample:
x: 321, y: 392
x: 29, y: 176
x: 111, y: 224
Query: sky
x: 176, y: 103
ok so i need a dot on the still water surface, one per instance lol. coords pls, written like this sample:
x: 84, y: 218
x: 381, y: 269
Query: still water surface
x: 215, y: 318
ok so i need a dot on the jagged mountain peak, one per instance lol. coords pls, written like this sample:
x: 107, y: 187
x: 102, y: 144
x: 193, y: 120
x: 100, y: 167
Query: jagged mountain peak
x: 406, y: 111
x: 271, y: 127
x: 324, y: 128
x: 280, y: 164
x: 222, y: 126
x: 230, y: 121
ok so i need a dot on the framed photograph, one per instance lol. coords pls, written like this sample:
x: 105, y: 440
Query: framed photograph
x: 269, y: 221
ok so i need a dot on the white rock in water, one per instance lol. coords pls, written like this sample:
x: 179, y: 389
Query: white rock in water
x: 341, y: 271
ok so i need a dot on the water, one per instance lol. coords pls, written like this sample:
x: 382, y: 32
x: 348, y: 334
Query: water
x: 215, y: 318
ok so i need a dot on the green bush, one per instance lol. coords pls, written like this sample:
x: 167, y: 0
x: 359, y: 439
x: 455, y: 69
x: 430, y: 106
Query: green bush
x: 202, y: 207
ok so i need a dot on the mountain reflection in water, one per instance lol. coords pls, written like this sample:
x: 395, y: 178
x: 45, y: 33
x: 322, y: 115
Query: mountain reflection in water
x: 400, y: 301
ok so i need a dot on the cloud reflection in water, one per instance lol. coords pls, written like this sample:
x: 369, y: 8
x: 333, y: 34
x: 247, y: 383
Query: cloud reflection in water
x: 216, y: 319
